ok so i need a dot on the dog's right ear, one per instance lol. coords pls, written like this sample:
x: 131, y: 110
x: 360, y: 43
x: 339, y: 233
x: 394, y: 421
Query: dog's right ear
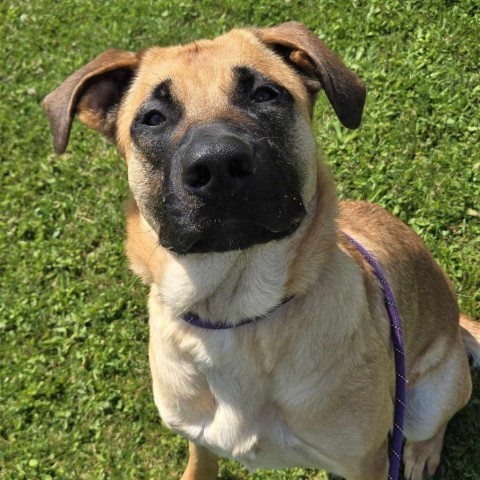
x: 94, y: 92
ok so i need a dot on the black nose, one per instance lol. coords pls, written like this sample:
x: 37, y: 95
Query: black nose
x: 217, y: 164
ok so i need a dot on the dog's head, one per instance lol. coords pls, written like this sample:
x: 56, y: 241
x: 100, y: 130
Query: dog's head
x: 216, y: 133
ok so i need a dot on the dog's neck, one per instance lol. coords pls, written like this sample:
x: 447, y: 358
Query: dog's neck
x: 231, y: 286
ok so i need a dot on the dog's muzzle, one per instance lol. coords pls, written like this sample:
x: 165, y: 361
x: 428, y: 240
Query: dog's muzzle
x: 218, y: 167
x: 228, y: 191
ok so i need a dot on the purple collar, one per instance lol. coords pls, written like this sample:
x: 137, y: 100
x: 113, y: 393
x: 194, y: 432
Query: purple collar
x: 396, y: 444
x: 195, y: 320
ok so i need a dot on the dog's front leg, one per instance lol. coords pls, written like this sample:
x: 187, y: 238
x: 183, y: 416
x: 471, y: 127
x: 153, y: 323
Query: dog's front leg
x: 373, y: 466
x: 202, y: 464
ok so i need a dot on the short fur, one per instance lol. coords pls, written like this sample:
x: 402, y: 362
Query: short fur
x: 313, y: 384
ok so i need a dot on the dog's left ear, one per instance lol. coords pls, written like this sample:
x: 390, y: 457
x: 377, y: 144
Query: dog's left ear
x: 317, y: 63
x: 94, y: 92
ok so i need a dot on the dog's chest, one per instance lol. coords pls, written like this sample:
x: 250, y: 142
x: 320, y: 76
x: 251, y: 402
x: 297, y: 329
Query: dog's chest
x: 214, y: 394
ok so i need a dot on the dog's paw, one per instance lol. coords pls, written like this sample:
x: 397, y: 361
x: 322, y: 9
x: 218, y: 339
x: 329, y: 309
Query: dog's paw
x: 421, y: 459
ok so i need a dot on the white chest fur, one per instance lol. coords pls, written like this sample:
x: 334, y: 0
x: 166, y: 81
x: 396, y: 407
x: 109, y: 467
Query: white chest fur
x: 227, y: 403
x: 252, y: 393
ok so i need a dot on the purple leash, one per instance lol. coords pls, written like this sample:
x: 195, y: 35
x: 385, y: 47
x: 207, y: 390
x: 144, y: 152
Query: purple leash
x: 396, y: 444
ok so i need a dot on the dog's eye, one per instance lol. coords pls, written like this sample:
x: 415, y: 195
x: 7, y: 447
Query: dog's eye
x: 154, y: 118
x: 264, y: 94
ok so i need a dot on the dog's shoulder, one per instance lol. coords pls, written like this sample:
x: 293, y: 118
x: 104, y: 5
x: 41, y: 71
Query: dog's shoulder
x: 388, y: 238
x: 423, y: 293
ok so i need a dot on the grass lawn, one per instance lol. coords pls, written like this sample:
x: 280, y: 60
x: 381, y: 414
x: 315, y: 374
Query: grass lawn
x: 75, y: 393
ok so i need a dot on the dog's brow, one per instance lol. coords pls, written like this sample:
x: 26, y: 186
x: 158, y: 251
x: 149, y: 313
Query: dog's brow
x: 246, y: 72
x: 163, y: 90
x: 247, y: 77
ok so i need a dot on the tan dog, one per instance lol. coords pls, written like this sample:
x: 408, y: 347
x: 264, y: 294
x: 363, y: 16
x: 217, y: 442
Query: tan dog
x: 232, y: 213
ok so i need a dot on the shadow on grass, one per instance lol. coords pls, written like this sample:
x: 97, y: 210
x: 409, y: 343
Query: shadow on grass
x: 461, y: 455
x: 227, y: 473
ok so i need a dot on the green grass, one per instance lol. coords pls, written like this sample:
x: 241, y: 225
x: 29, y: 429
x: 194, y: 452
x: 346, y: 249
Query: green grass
x: 75, y: 399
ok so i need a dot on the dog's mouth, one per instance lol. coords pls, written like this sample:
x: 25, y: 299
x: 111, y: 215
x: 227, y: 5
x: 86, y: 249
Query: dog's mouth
x: 227, y: 234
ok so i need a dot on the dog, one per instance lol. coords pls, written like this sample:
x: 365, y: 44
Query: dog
x: 234, y: 216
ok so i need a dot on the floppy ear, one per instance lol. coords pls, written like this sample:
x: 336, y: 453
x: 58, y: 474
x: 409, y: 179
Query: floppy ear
x: 94, y: 92
x: 317, y: 63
